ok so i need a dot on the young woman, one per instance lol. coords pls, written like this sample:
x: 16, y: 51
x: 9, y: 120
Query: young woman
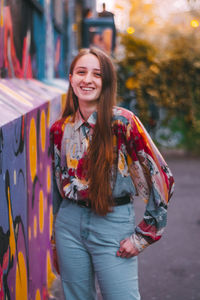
x: 102, y: 159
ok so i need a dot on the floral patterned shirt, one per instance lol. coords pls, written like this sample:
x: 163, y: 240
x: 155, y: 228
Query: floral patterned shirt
x: 140, y: 168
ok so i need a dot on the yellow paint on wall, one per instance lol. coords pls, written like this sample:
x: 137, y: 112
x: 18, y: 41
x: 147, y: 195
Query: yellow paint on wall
x: 29, y: 233
x: 1, y: 13
x: 21, y: 279
x: 48, y: 179
x: 35, y: 227
x: 33, y: 149
x: 37, y: 295
x: 41, y: 211
x: 50, y: 275
x: 43, y: 130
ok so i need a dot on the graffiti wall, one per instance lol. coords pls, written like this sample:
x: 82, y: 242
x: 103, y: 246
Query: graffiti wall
x: 30, y: 45
x: 29, y: 109
x: 18, y: 58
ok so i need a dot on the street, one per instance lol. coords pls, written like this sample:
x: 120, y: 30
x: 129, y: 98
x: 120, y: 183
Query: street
x: 170, y: 269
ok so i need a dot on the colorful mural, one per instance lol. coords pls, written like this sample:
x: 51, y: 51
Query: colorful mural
x: 25, y: 188
x: 17, y: 36
x: 31, y: 45
x: 13, y: 222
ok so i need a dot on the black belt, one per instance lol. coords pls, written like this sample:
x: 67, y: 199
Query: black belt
x: 117, y: 201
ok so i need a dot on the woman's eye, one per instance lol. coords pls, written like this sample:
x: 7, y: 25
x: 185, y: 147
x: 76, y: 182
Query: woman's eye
x: 98, y: 74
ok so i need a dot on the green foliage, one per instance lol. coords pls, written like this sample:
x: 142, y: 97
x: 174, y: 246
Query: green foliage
x: 164, y: 81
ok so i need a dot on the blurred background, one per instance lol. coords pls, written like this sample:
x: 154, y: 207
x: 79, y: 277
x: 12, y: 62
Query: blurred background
x: 155, y: 46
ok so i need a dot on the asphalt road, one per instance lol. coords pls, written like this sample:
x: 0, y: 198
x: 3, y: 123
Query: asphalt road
x: 170, y: 269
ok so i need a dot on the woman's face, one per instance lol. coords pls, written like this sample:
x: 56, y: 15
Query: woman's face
x: 86, y: 79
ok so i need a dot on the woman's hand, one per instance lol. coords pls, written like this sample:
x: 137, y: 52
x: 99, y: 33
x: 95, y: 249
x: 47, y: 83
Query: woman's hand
x: 127, y: 249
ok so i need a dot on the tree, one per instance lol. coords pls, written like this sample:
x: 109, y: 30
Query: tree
x: 164, y: 90
x: 143, y: 18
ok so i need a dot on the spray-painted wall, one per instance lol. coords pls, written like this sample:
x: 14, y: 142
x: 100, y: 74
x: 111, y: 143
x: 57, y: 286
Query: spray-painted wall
x: 39, y: 38
x: 29, y: 108
x: 31, y: 42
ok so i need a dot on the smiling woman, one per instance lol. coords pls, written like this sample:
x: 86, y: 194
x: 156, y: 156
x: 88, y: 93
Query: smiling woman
x: 103, y: 158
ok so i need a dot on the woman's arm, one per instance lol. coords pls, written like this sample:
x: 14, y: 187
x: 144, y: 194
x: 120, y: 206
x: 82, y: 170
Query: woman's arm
x: 55, y: 147
x: 153, y: 181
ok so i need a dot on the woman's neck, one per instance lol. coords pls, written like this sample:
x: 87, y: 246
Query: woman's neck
x: 86, y: 110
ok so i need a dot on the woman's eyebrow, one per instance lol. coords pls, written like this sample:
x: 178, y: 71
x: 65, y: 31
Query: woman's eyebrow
x: 80, y: 67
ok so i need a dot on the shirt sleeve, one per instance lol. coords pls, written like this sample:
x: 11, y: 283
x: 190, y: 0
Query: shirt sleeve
x: 153, y: 181
x: 55, y: 144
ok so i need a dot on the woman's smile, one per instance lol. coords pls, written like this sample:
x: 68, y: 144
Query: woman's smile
x: 87, y: 89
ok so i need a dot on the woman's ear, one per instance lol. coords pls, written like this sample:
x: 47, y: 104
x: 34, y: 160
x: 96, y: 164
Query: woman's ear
x: 70, y: 78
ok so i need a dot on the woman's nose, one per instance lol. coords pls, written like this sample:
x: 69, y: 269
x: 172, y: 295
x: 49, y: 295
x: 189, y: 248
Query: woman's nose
x: 88, y: 77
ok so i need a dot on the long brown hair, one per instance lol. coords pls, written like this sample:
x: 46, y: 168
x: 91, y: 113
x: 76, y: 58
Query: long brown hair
x: 100, y: 152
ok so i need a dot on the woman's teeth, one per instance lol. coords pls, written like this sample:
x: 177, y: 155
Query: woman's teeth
x: 87, y: 89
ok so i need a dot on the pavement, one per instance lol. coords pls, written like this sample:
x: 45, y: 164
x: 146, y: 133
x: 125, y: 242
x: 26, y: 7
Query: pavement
x: 170, y: 268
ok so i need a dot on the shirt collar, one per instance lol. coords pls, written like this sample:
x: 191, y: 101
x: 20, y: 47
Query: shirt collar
x: 91, y: 121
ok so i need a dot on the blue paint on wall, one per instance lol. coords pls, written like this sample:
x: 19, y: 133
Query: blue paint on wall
x: 40, y: 38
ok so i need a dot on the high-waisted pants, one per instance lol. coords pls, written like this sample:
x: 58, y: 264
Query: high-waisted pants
x: 86, y: 246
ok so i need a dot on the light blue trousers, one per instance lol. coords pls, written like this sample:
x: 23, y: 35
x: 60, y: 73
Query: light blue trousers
x: 87, y: 244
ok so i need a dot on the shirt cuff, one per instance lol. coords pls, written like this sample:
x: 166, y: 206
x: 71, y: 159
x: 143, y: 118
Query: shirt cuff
x: 138, y: 241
